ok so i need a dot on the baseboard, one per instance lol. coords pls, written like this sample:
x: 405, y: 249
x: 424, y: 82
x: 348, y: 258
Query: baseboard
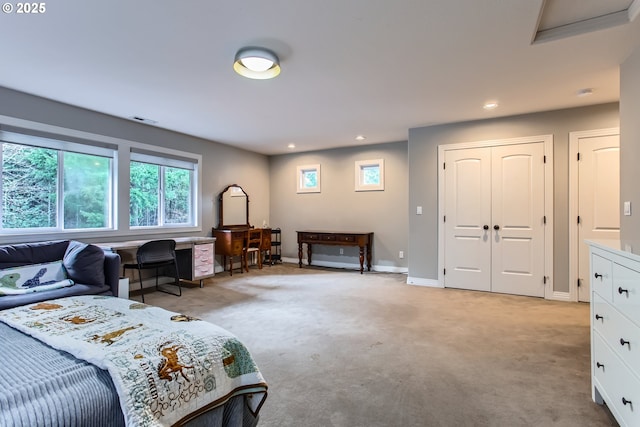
x: 350, y: 266
x: 419, y: 281
x: 560, y: 296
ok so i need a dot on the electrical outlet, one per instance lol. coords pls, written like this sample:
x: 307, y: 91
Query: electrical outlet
x: 341, y: 251
x: 627, y: 208
x: 401, y: 254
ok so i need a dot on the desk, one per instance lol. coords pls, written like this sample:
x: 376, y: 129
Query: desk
x: 194, y: 255
x: 231, y: 242
x: 340, y: 238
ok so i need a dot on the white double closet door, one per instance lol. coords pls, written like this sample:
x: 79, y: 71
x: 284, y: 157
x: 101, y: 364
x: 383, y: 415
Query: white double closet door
x: 494, y: 219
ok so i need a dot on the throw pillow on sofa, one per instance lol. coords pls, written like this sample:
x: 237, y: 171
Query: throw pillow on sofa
x: 33, y: 278
x: 84, y: 263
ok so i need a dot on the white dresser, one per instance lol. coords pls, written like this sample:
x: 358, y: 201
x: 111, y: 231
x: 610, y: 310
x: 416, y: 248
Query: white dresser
x: 615, y: 330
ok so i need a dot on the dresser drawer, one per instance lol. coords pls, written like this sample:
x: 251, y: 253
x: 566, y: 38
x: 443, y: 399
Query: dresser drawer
x: 328, y: 237
x: 602, y: 321
x: 604, y: 364
x: 624, y: 338
x: 626, y: 292
x: 203, y: 250
x: 203, y: 255
x: 202, y: 271
x: 619, y: 385
x: 310, y: 236
x: 601, y: 275
x: 346, y: 238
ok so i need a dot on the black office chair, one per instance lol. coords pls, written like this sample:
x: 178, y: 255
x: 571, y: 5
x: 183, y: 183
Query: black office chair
x: 153, y: 255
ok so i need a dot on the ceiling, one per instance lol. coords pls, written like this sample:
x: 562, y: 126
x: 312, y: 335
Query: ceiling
x: 358, y: 67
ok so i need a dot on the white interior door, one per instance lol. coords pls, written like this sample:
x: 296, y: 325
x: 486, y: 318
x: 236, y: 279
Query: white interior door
x: 468, y: 211
x: 500, y: 187
x: 518, y: 219
x: 598, y: 199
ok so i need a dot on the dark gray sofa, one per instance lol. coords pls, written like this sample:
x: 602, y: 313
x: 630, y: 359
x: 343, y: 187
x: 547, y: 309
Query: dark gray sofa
x: 94, y: 271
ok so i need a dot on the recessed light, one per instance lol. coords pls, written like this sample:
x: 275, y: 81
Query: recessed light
x: 585, y: 92
x: 291, y: 146
x: 490, y: 105
x: 360, y: 138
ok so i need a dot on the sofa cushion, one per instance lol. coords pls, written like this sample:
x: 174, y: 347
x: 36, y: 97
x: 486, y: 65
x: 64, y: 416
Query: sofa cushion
x: 32, y: 253
x: 33, y: 278
x: 84, y: 263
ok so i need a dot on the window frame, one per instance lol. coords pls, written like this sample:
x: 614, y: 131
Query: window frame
x: 164, y: 162
x: 360, y: 166
x: 300, y: 175
x: 60, y: 146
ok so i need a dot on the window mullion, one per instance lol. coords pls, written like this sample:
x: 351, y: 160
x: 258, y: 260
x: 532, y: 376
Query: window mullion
x: 60, y: 192
x: 161, y: 200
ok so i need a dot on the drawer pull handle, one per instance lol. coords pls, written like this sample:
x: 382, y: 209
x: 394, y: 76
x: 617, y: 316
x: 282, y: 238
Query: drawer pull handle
x: 623, y: 342
x: 598, y: 317
x: 598, y: 276
x: 621, y: 291
x: 600, y: 365
x: 625, y: 401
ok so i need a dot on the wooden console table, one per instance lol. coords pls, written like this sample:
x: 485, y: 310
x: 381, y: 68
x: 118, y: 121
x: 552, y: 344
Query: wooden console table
x: 341, y: 238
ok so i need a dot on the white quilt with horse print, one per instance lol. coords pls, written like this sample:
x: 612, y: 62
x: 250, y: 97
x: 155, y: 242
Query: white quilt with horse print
x: 167, y: 367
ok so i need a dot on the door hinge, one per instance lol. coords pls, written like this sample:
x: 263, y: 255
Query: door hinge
x: 579, y: 282
x: 578, y: 219
x: 444, y: 219
x: 444, y: 271
x: 544, y: 219
x: 444, y: 166
x: 544, y: 159
x: 544, y: 280
x: 578, y: 156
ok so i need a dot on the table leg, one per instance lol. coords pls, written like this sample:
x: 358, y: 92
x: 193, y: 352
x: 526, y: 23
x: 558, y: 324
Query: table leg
x: 368, y: 257
x: 300, y: 255
x: 308, y: 253
x: 361, y: 259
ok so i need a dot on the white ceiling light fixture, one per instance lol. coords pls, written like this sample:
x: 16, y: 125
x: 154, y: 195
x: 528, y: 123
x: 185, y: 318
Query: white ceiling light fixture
x: 256, y: 63
x: 291, y: 146
x: 360, y: 138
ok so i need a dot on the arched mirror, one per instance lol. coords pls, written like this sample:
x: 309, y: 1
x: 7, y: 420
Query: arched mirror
x: 233, y: 209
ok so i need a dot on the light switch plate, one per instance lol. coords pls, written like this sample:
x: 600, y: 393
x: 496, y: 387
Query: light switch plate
x: 419, y: 210
x: 627, y: 208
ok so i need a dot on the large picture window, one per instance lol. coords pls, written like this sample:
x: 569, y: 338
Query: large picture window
x: 54, y: 185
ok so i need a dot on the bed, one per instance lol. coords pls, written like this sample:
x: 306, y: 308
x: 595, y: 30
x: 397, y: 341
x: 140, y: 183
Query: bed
x: 42, y: 384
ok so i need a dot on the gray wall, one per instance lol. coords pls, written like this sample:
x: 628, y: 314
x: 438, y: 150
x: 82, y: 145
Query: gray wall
x: 338, y: 207
x: 222, y: 165
x: 630, y: 148
x: 423, y: 176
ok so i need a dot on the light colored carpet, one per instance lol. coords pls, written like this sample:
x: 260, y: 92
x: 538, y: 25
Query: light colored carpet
x: 343, y: 349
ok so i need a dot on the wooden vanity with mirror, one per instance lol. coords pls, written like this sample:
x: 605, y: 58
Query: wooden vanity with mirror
x: 233, y: 226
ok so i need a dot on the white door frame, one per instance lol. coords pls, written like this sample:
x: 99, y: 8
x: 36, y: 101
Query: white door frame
x: 574, y: 139
x: 549, y: 293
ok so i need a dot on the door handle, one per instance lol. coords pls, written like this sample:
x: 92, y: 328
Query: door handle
x: 496, y: 227
x: 486, y: 227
